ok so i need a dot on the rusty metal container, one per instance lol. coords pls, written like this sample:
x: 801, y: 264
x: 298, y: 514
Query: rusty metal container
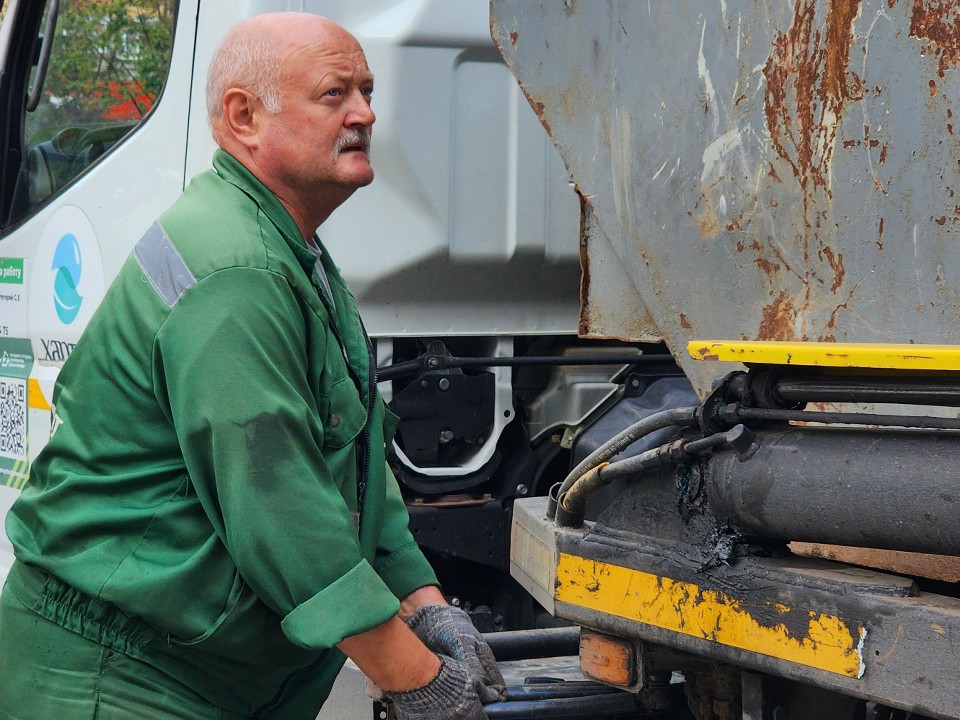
x: 751, y: 169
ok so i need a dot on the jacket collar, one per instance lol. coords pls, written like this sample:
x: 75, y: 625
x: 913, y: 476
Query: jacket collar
x: 233, y: 171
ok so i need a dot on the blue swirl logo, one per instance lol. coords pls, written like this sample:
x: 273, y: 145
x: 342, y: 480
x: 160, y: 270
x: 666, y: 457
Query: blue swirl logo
x: 67, y: 265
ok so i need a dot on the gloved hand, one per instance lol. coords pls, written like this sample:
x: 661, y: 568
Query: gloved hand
x: 451, y: 695
x: 448, y: 631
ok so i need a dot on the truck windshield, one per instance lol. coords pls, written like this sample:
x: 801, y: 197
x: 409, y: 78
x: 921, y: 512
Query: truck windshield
x: 107, y: 65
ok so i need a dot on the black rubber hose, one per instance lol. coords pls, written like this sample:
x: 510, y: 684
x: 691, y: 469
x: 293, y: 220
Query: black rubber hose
x: 539, y: 643
x: 668, y: 418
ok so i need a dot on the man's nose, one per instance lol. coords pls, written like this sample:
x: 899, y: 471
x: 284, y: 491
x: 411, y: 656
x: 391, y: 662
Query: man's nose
x: 360, y: 111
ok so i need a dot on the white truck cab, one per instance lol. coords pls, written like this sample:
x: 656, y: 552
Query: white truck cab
x: 464, y: 254
x: 468, y: 236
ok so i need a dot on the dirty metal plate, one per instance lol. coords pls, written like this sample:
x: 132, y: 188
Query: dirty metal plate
x: 935, y: 567
x: 755, y: 170
x: 824, y: 641
x: 533, y: 550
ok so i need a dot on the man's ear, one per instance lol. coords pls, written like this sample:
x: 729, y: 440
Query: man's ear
x: 241, y: 116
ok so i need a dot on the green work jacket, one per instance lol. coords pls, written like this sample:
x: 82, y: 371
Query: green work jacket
x: 198, y: 505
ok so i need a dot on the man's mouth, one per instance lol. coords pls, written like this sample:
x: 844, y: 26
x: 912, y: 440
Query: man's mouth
x: 353, y: 141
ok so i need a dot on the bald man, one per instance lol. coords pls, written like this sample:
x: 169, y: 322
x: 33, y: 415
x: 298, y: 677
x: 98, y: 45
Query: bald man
x: 212, y: 526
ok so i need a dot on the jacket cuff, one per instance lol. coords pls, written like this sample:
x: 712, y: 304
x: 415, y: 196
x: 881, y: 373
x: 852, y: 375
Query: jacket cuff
x: 405, y: 570
x: 356, y: 602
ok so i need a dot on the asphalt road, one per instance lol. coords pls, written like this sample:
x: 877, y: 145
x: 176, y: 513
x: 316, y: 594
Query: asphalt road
x: 348, y: 701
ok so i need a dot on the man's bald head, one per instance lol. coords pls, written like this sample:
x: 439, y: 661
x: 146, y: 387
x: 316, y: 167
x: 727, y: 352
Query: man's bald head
x: 253, y: 56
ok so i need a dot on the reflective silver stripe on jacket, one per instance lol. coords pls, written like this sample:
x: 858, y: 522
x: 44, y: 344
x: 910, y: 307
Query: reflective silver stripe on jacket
x: 162, y: 265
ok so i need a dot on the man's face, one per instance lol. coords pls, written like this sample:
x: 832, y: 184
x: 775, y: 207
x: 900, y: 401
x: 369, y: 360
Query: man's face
x: 320, y: 139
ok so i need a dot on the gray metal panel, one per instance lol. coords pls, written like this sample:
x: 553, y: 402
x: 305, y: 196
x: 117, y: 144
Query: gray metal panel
x: 763, y: 170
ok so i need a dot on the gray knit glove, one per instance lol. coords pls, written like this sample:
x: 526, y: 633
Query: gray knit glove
x: 448, y: 631
x: 451, y: 695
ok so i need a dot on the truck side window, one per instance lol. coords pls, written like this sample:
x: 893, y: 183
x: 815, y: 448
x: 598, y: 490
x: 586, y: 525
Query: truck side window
x: 107, y: 65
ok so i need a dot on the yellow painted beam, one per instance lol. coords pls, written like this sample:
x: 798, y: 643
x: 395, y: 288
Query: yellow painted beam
x: 850, y: 355
x: 828, y: 643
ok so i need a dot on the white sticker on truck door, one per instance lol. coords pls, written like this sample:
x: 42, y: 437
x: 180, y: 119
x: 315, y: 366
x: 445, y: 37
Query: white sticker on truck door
x: 13, y: 298
x: 66, y: 284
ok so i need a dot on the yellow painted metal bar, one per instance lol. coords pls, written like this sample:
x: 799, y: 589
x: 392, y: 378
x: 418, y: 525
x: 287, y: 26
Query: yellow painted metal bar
x: 828, y: 643
x: 852, y: 355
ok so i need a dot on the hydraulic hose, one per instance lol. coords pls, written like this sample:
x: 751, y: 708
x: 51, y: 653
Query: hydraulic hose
x: 573, y: 502
x: 683, y: 417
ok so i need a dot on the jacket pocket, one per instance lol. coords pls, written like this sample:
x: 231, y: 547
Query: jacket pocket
x: 343, y: 415
x: 237, y: 589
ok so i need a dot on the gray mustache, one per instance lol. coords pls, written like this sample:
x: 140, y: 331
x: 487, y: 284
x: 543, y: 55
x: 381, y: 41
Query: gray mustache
x: 352, y: 138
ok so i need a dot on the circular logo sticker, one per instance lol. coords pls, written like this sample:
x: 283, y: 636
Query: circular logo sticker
x: 67, y: 266
x: 66, y: 284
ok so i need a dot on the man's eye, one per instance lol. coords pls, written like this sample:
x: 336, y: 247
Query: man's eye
x: 367, y: 92
x: 333, y: 92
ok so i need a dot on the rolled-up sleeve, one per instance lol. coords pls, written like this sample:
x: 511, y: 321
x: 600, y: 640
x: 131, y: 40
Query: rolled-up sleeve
x: 321, y: 620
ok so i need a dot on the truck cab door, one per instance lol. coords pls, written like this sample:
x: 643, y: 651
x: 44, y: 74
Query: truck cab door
x: 93, y: 105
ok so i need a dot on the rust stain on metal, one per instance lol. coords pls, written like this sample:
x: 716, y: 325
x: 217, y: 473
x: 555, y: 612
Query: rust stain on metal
x: 540, y: 109
x: 778, y: 319
x: 768, y: 268
x: 867, y: 142
x: 705, y: 354
x: 685, y: 323
x: 808, y: 83
x: 514, y: 37
x: 835, y: 260
x: 937, y: 567
x: 937, y: 22
x: 707, y: 223
x: 586, y: 210
x: 832, y: 323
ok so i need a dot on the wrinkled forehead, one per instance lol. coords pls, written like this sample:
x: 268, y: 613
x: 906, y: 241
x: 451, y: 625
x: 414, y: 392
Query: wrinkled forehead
x: 345, y: 60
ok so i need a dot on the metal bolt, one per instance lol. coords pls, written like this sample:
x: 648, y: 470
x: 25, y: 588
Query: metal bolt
x: 444, y: 384
x: 446, y: 436
x: 522, y: 489
x: 433, y: 363
x: 634, y: 383
x: 455, y: 601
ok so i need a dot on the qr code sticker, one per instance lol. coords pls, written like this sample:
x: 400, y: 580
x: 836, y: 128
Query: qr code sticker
x: 13, y: 418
